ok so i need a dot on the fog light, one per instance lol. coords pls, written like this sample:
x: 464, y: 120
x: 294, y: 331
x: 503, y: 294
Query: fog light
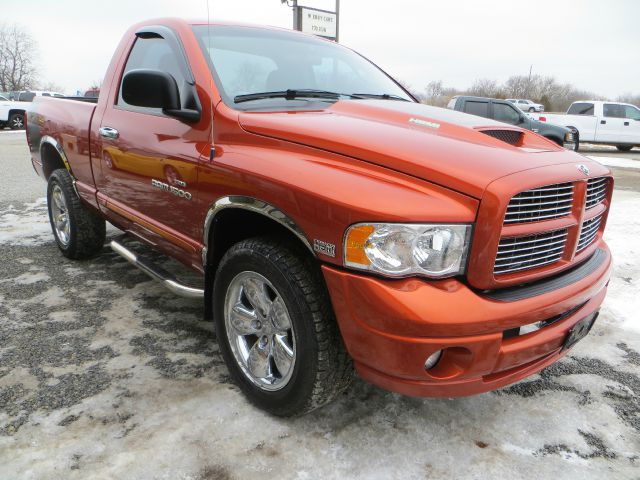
x: 432, y: 360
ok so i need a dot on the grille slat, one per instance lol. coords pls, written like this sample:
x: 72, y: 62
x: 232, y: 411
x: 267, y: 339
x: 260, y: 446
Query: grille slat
x: 596, y: 191
x: 541, y: 249
x: 588, y: 232
x: 554, y: 249
x: 550, y: 201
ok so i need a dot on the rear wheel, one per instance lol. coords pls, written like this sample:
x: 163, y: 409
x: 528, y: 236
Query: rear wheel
x: 79, y: 232
x: 276, y: 328
x: 624, y: 148
x: 16, y: 121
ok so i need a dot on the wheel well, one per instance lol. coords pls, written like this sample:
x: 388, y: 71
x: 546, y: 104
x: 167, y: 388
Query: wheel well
x: 231, y: 226
x: 554, y: 139
x: 51, y: 159
x: 11, y: 112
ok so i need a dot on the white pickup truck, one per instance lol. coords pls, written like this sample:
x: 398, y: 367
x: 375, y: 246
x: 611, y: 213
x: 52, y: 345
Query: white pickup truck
x: 610, y: 123
x: 12, y: 113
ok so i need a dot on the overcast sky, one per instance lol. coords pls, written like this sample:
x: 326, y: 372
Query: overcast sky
x: 594, y: 44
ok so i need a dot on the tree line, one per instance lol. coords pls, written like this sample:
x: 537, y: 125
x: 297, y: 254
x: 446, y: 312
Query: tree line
x: 555, y: 96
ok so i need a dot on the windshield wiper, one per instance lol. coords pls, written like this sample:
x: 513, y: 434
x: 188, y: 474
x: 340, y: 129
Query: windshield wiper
x: 383, y: 96
x: 290, y: 94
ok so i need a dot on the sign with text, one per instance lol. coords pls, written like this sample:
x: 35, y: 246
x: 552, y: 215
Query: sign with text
x: 318, y: 22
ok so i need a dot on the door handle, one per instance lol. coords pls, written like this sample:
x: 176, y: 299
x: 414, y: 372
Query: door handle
x: 603, y: 122
x: 626, y: 124
x: 108, y: 132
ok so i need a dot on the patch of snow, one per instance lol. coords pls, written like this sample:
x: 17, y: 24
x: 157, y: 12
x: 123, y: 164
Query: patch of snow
x: 28, y: 227
x: 622, y: 234
x: 616, y: 162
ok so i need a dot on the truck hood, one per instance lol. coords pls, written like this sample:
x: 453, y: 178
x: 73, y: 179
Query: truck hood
x: 442, y: 146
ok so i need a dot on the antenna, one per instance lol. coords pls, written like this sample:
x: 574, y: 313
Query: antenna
x: 212, y: 152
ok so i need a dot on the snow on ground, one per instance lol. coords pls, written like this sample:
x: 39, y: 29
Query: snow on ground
x: 620, y: 162
x: 103, y: 374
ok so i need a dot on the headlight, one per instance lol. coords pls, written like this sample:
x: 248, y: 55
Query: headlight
x: 401, y: 250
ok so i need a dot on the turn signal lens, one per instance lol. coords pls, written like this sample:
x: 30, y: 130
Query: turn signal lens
x: 355, y: 243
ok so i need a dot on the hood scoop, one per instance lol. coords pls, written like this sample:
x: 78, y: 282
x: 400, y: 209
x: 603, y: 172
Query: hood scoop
x: 512, y: 137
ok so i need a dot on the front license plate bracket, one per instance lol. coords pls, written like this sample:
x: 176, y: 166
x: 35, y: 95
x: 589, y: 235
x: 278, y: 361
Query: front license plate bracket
x: 580, y: 330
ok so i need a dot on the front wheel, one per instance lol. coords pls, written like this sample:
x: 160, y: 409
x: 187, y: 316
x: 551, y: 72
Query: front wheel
x: 276, y: 329
x: 16, y: 121
x: 624, y: 148
x: 79, y: 232
x: 532, y: 109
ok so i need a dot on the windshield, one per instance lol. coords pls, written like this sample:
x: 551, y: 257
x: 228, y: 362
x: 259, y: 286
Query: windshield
x: 248, y: 60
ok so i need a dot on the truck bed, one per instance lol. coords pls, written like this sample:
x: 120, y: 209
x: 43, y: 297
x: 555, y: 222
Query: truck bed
x: 63, y: 123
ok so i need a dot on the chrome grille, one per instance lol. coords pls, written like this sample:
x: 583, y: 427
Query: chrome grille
x: 588, y: 232
x: 542, y: 203
x: 596, y: 191
x: 531, y: 251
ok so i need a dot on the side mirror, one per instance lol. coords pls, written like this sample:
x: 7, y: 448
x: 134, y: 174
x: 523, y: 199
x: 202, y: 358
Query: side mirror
x: 156, y: 89
x: 522, y: 120
x: 150, y: 89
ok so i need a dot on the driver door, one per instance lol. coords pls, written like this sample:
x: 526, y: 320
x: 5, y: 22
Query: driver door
x: 148, y: 160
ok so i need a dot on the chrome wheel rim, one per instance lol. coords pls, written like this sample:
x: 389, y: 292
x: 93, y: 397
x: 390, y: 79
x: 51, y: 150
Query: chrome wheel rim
x: 260, y: 331
x: 17, y: 122
x: 60, y: 215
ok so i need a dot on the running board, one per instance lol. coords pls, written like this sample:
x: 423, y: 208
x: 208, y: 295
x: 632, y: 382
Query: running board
x: 157, y: 273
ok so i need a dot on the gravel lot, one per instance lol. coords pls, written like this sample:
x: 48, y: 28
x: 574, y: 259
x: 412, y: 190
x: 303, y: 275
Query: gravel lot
x: 103, y: 374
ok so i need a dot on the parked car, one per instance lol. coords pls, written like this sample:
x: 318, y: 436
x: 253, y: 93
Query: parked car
x: 29, y: 95
x: 92, y: 93
x: 12, y: 113
x: 333, y: 219
x: 526, y: 105
x: 504, y: 111
x: 608, y: 123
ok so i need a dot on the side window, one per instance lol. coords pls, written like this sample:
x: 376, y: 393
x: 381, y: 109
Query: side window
x: 45, y: 94
x: 631, y: 113
x: 477, y: 108
x: 581, y: 109
x: 505, y: 113
x: 26, y: 96
x: 612, y: 110
x: 523, y: 101
x: 152, y: 54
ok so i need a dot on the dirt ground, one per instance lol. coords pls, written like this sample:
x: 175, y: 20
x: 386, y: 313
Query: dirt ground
x: 103, y: 374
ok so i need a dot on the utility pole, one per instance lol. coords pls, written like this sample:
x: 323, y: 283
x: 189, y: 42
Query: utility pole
x: 296, y: 17
x: 337, y: 21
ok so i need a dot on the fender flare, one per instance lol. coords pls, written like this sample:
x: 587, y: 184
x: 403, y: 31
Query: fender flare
x: 54, y: 143
x: 253, y: 205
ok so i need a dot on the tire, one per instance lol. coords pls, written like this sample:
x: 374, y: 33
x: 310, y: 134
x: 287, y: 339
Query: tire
x: 317, y: 367
x: 79, y: 232
x: 16, y: 121
x: 624, y: 148
x: 532, y: 109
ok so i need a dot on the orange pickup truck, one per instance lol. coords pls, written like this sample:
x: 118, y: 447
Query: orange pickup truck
x: 337, y: 223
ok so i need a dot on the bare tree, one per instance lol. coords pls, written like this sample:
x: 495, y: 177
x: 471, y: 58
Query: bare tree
x: 485, y: 87
x: 50, y: 87
x: 18, y: 51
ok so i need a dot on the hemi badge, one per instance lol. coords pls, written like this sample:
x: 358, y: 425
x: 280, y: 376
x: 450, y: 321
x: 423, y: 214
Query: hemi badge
x: 326, y: 248
x: 424, y: 123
